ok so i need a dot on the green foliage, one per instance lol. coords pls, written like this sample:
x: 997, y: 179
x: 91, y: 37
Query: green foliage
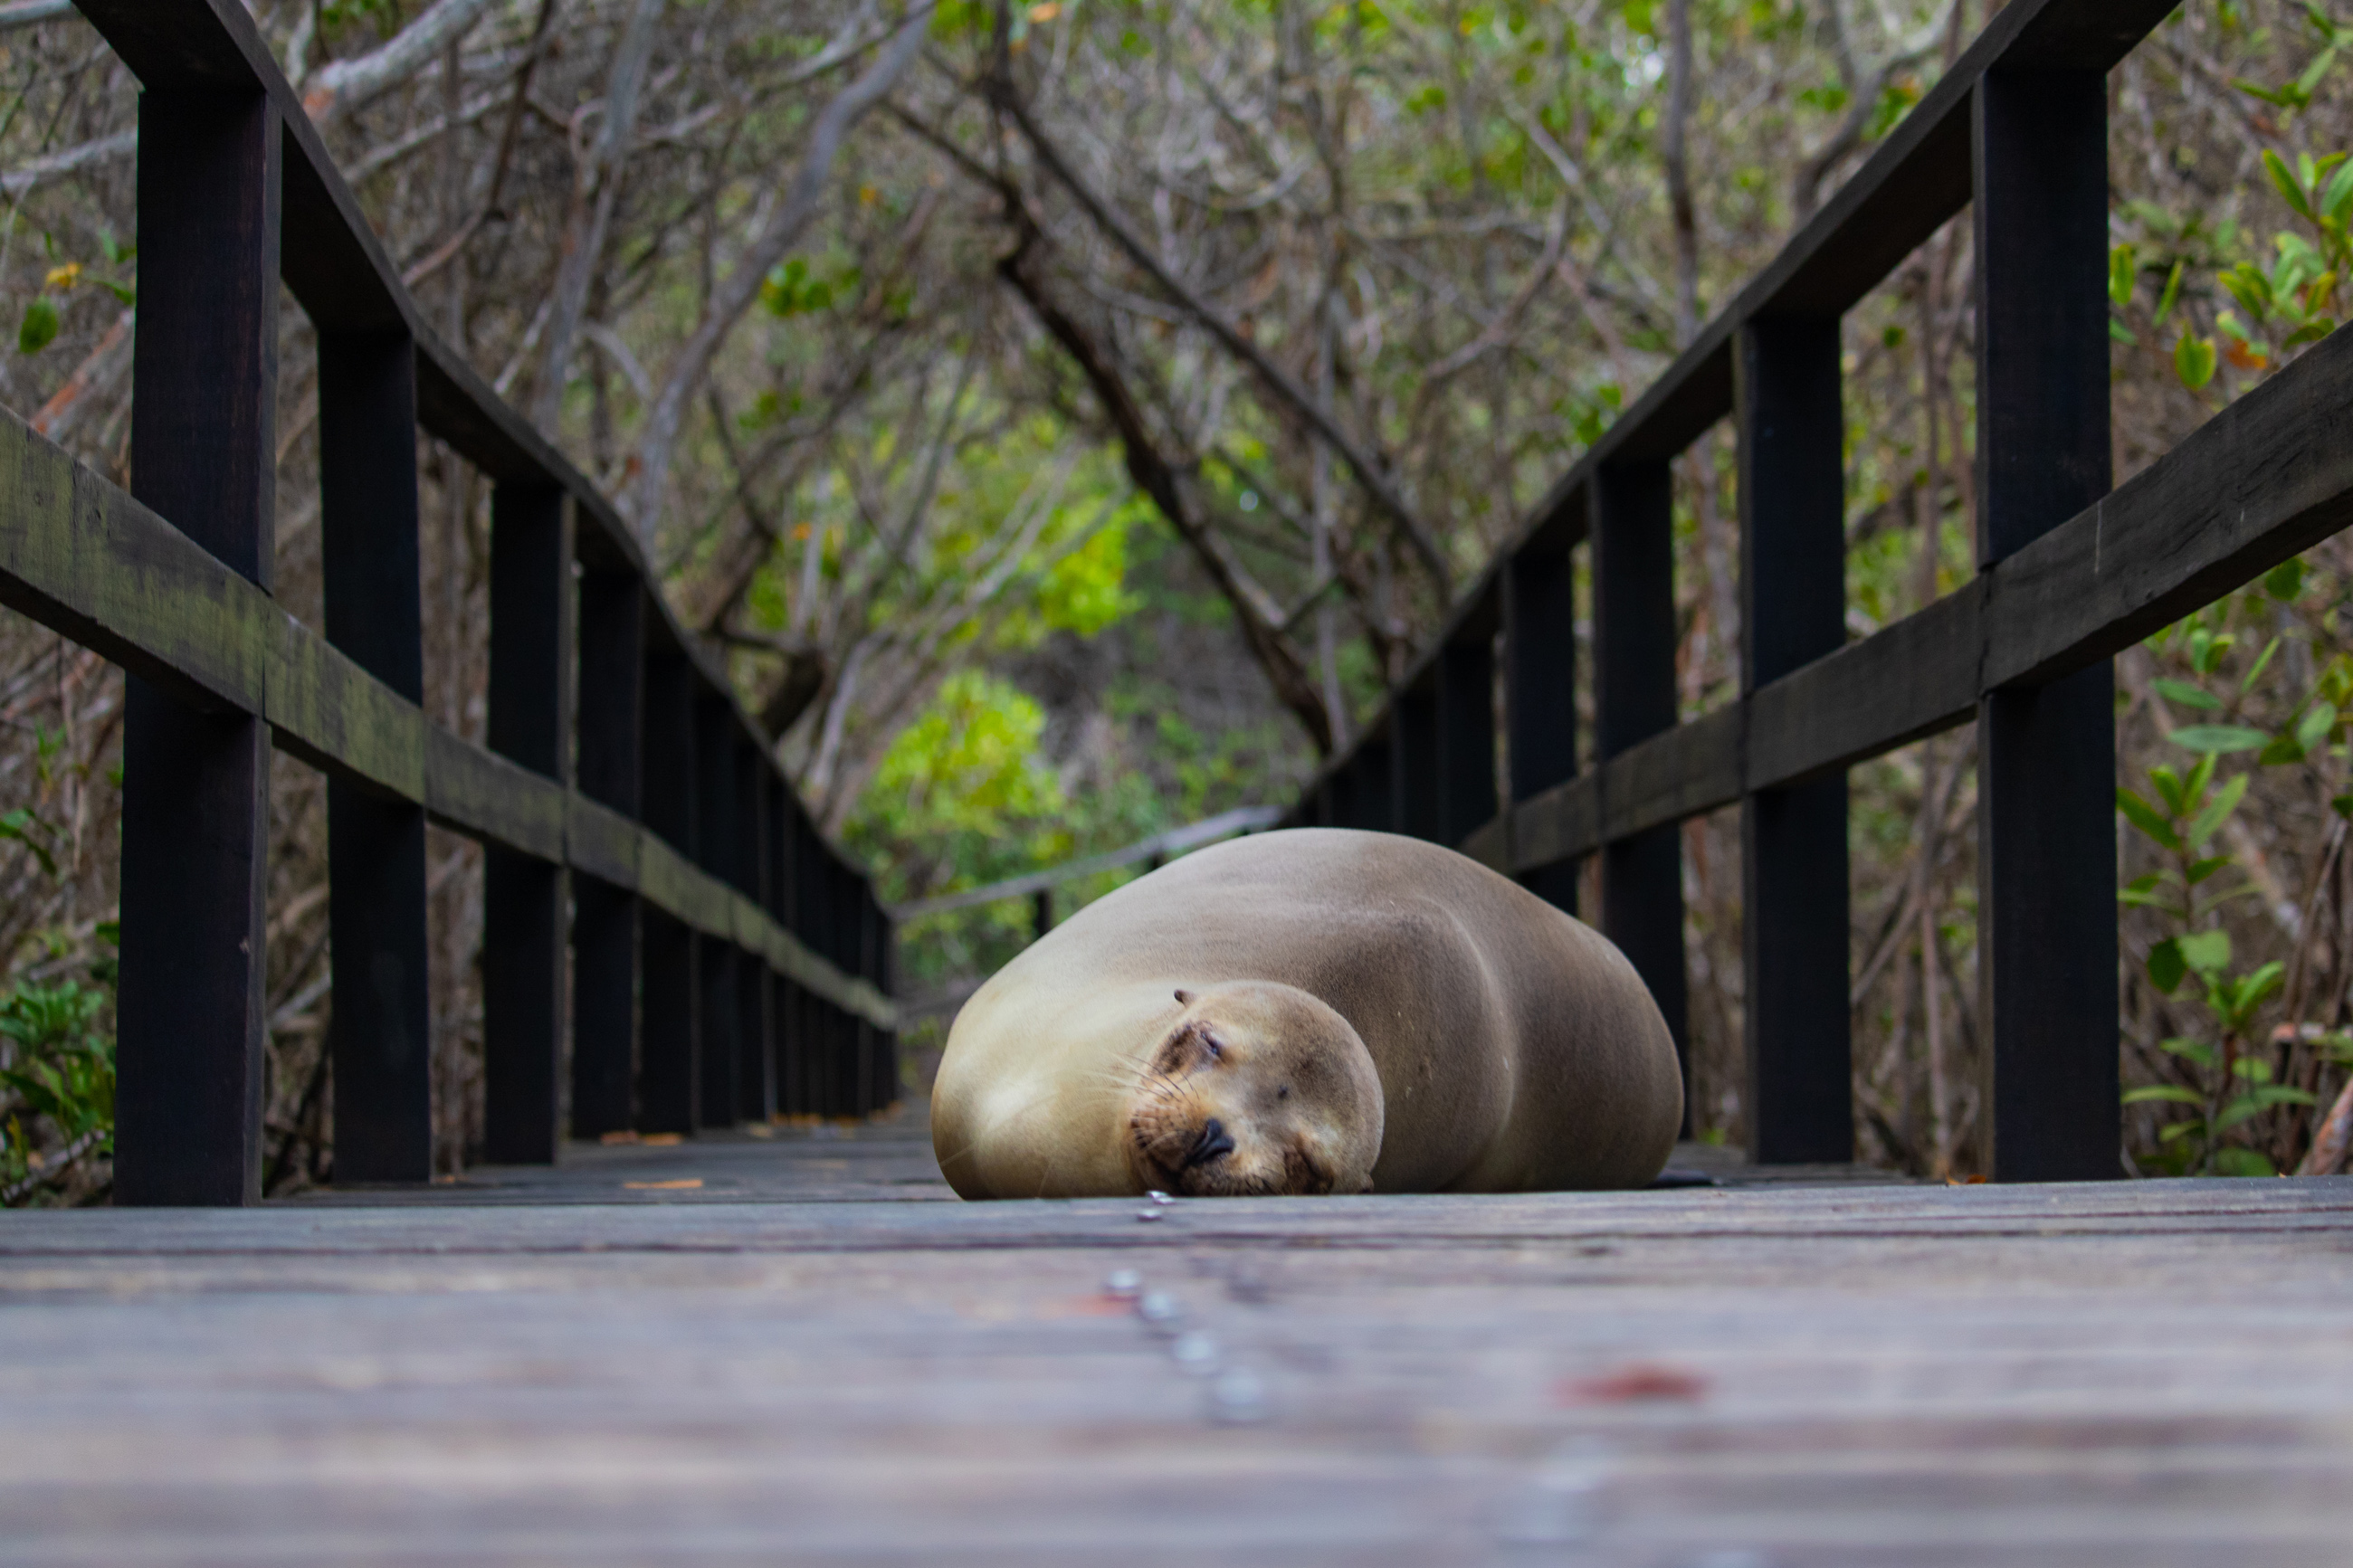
x: 2226, y: 1080
x: 39, y: 327
x: 58, y: 1067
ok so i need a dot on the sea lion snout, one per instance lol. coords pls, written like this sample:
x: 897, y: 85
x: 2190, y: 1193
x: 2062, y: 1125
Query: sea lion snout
x: 1256, y: 1089
x: 1214, y: 1143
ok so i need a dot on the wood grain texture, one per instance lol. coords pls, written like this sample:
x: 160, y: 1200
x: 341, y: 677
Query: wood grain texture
x: 80, y: 556
x: 196, y: 785
x: 553, y: 1365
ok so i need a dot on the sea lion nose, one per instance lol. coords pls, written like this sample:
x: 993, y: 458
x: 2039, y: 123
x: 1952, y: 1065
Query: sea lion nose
x: 1214, y: 1143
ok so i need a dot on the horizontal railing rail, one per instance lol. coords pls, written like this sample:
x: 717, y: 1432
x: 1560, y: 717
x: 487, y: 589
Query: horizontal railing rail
x: 1154, y: 847
x: 2069, y: 574
x: 725, y: 960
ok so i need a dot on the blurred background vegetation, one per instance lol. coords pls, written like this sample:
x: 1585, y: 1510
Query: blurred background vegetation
x: 1067, y: 417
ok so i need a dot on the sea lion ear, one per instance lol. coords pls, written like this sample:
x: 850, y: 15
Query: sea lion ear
x: 1184, y: 997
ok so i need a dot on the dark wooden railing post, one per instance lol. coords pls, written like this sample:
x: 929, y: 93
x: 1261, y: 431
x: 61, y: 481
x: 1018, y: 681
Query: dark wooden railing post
x: 1540, y: 692
x: 715, y: 838
x: 1793, y: 841
x: 605, y: 918
x: 756, y: 1093
x: 1632, y: 531
x: 1375, y: 772
x: 668, y: 1067
x: 1413, y: 758
x: 1466, y: 737
x: 804, y: 1040
x: 195, y: 790
x: 775, y: 897
x: 523, y: 897
x: 882, y: 962
x: 2046, y: 755
x: 381, y: 1030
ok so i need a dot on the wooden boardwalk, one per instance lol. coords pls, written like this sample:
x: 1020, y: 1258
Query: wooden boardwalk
x: 816, y: 1356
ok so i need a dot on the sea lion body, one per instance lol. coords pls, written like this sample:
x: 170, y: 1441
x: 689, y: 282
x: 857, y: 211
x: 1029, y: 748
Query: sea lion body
x: 1514, y: 1049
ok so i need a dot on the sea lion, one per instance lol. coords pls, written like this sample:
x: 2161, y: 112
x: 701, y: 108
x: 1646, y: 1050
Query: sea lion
x: 1304, y: 1012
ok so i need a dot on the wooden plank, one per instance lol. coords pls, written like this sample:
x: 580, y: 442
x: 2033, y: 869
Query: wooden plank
x: 1793, y: 840
x: 1807, y: 1375
x: 492, y: 800
x: 195, y: 787
x: 2046, y: 753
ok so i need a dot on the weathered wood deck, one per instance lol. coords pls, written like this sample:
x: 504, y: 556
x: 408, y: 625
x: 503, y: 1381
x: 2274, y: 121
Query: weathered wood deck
x: 567, y: 1367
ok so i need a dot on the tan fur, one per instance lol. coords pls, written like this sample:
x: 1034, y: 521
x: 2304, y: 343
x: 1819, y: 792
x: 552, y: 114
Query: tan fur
x: 1510, y: 1048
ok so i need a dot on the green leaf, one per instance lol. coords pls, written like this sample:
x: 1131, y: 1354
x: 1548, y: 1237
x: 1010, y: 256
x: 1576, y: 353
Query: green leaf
x: 2120, y: 333
x: 2217, y: 738
x: 2161, y: 1091
x: 2201, y: 869
x: 2200, y: 777
x: 2184, y: 693
x: 2193, y: 361
x: 2182, y: 1130
x: 2165, y: 967
x: 2120, y: 275
x: 2206, y: 823
x: 2339, y: 192
x: 2314, y: 727
x: 2140, y: 891
x: 2188, y: 1050
x: 2242, y: 1162
x: 2283, y: 750
x: 2284, y: 181
x: 2263, y: 662
x: 16, y: 824
x: 2255, y: 988
x: 2206, y: 952
x: 39, y: 327
x: 2169, y: 788
x: 2166, y: 297
x: 2342, y: 805
x: 2146, y: 817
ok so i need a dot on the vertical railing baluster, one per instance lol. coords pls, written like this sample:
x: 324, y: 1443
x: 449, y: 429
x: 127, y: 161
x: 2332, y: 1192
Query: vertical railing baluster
x: 525, y: 898
x: 756, y: 1093
x: 715, y: 836
x: 2046, y: 755
x: 605, y: 918
x: 195, y: 792
x: 1466, y: 738
x: 1376, y: 781
x: 1540, y: 691
x: 1632, y: 532
x: 669, y: 1073
x: 804, y: 1041
x: 380, y: 1034
x: 775, y: 897
x: 1792, y: 485
x: 1413, y: 754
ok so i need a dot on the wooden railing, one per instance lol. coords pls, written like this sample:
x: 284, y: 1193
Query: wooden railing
x: 726, y: 960
x: 2070, y: 574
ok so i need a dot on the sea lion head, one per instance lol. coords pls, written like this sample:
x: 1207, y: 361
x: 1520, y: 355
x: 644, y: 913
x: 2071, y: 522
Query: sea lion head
x: 1256, y: 1089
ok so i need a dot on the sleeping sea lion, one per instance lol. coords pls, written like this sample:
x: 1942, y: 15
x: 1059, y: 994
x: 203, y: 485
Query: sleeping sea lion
x: 1306, y: 1012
